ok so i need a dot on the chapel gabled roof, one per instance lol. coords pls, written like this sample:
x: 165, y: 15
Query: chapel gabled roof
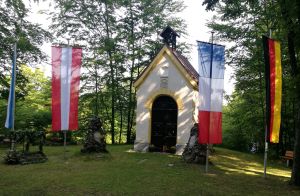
x: 183, y: 64
x: 187, y: 65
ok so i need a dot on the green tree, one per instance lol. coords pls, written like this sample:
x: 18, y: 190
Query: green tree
x: 238, y: 23
x: 142, y: 20
x: 32, y: 110
x: 15, y: 28
x: 243, y: 22
x: 120, y: 38
x: 290, y: 14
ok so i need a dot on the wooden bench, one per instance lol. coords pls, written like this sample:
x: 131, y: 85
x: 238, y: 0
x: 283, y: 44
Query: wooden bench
x: 289, y: 155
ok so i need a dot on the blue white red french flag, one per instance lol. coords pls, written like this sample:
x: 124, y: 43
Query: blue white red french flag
x: 211, y: 85
x: 66, y: 63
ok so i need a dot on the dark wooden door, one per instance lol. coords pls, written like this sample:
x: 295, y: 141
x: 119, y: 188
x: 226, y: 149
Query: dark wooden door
x: 164, y: 122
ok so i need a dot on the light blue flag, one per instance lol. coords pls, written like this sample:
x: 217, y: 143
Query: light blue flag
x: 9, y: 123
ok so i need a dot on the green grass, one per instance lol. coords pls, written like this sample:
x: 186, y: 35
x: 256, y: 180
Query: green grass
x: 123, y: 172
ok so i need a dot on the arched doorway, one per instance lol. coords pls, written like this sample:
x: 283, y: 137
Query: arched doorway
x: 164, y: 124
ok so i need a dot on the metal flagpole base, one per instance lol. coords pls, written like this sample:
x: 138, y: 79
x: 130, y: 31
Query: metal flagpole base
x: 12, y: 146
x: 12, y: 142
x: 265, y: 159
x: 65, y: 143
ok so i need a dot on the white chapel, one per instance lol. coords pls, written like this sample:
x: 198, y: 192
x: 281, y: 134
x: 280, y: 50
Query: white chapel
x: 167, y: 94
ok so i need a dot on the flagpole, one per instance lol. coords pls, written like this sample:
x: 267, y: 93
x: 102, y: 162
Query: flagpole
x: 65, y: 131
x: 206, y: 161
x: 210, y: 75
x: 14, y: 97
x: 266, y: 152
x: 65, y: 143
x: 266, y: 131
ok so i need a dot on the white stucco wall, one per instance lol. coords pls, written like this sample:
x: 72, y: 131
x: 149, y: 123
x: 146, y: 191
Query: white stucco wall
x: 187, y: 115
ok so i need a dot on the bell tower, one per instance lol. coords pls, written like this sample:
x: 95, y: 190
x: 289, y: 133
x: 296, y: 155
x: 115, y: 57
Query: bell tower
x: 169, y: 37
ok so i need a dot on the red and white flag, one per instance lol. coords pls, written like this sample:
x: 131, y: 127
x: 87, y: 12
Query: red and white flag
x: 66, y: 62
x: 211, y: 85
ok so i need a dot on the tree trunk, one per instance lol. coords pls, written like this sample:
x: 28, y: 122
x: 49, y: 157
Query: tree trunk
x: 294, y: 123
x: 296, y: 163
x: 121, y: 123
x: 262, y: 105
x: 112, y: 125
x: 97, y: 96
x: 112, y: 76
x: 295, y: 179
x: 130, y: 110
x: 129, y: 119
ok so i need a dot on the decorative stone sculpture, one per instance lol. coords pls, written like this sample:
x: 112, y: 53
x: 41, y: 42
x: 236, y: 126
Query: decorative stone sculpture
x: 194, y: 152
x: 95, y: 139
